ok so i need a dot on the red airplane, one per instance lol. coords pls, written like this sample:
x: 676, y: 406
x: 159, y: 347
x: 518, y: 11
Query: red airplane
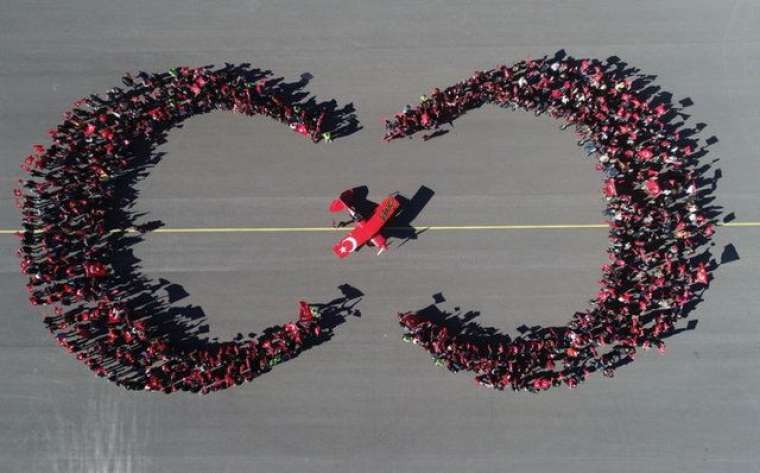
x: 365, y: 229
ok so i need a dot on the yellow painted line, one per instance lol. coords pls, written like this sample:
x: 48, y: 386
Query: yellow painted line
x: 516, y: 227
x: 740, y: 224
x: 345, y: 229
x: 420, y: 227
x: 247, y: 230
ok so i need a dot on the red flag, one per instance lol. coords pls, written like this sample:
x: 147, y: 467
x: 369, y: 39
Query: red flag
x: 653, y: 187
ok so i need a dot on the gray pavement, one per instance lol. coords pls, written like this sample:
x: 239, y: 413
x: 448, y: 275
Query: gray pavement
x: 365, y: 401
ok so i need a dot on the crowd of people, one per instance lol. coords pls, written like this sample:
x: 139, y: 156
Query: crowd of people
x: 66, y: 247
x: 652, y: 190
x: 651, y: 186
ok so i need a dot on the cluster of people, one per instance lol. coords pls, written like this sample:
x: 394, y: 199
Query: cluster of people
x: 651, y: 185
x: 66, y: 248
x: 652, y: 190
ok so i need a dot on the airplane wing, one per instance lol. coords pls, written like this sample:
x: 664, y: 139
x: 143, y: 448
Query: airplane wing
x: 343, y: 202
x: 383, y: 213
x: 337, y: 205
x: 349, y: 243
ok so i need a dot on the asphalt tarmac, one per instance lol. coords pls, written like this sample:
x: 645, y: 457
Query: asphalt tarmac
x: 364, y: 401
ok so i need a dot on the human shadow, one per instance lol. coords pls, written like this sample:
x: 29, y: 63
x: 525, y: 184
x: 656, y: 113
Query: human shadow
x: 339, y: 121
